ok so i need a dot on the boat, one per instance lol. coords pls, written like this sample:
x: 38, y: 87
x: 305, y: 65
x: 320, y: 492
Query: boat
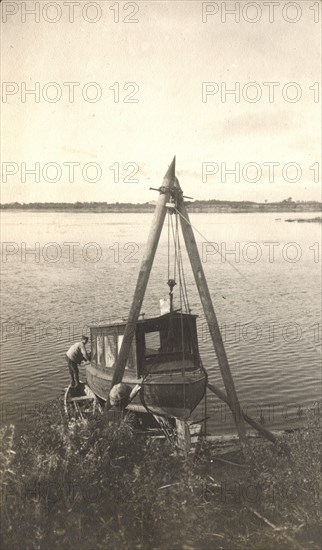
x: 163, y: 360
x: 80, y: 402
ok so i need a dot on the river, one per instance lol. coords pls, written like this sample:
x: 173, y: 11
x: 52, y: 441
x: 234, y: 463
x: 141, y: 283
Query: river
x: 61, y: 272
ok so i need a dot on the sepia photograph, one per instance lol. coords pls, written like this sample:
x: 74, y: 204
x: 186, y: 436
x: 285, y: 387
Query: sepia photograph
x: 161, y: 281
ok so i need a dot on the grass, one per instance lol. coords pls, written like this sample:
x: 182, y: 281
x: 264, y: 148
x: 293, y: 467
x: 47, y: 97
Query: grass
x: 101, y: 486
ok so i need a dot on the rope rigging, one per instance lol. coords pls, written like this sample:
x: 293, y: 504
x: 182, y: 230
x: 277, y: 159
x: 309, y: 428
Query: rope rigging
x: 250, y: 284
x: 178, y: 268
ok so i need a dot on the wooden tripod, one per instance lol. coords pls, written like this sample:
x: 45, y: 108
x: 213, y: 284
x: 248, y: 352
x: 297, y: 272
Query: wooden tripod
x: 171, y: 189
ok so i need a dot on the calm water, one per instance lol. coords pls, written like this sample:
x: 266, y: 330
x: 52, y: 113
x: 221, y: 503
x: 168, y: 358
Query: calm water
x: 269, y: 309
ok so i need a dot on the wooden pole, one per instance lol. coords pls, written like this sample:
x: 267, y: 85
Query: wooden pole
x: 145, y: 270
x: 264, y: 431
x: 210, y: 315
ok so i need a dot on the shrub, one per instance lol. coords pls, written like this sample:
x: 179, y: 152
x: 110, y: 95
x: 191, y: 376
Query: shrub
x: 99, y: 485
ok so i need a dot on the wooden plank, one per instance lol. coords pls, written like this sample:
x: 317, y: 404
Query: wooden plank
x: 81, y: 398
x: 195, y: 435
x: 183, y: 439
x: 210, y: 315
x: 264, y: 431
x: 136, y: 408
x: 294, y: 543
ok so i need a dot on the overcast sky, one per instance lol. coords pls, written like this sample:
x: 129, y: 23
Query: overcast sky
x: 168, y: 53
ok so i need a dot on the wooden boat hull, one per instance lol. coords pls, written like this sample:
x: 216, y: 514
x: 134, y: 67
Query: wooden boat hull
x: 79, y: 402
x: 176, y: 394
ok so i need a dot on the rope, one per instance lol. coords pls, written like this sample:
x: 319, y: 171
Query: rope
x: 181, y: 271
x: 218, y: 251
x: 175, y: 251
x: 178, y: 262
x: 251, y: 285
x: 168, y: 245
x: 177, y: 242
x: 184, y: 368
x: 182, y: 297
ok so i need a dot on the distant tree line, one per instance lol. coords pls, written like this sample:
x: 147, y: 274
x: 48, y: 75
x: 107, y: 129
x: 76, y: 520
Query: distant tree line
x: 212, y: 205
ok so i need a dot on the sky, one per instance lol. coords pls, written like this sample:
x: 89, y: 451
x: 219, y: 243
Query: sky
x: 151, y: 81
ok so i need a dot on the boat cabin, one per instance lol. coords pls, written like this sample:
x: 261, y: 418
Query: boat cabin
x: 159, y: 344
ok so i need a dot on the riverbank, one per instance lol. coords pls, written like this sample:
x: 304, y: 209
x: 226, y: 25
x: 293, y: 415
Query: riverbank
x: 306, y: 220
x: 100, y: 486
x: 202, y: 206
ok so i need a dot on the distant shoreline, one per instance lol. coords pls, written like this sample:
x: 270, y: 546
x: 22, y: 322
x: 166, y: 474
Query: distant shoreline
x: 306, y: 220
x: 191, y: 211
x: 204, y: 207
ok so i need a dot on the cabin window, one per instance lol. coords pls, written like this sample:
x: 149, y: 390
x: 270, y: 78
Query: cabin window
x: 164, y: 340
x: 119, y: 342
x: 177, y: 338
x: 152, y: 343
x: 93, y: 348
x: 100, y: 350
x: 169, y: 339
x: 106, y: 345
x: 110, y: 350
x: 129, y: 362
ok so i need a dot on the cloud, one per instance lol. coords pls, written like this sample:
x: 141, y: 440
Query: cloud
x: 261, y: 123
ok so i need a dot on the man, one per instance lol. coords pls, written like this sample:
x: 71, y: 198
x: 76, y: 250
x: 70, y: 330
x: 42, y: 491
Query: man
x: 75, y: 355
